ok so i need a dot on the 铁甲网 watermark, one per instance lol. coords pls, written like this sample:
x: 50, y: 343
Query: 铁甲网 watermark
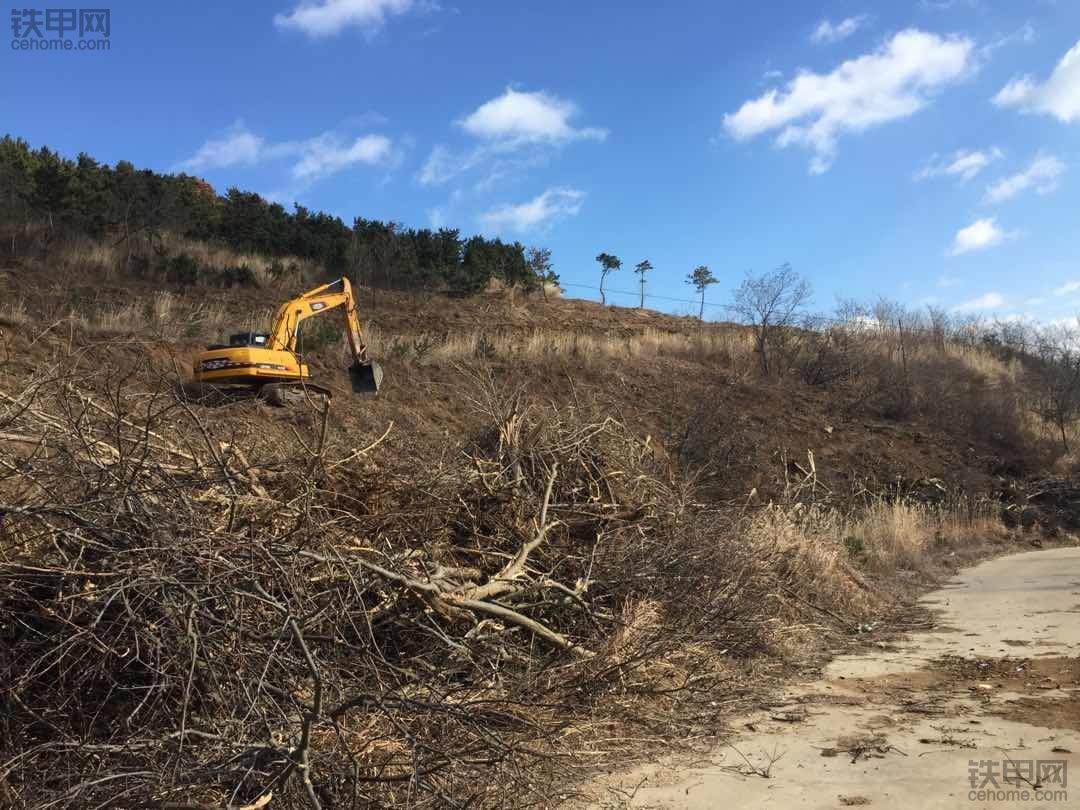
x: 61, y: 29
x: 1021, y: 780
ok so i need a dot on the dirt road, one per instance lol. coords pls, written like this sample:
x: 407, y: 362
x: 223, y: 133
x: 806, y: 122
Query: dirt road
x: 983, y: 712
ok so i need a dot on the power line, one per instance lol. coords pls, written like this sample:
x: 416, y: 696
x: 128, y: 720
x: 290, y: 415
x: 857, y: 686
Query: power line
x: 696, y: 301
x: 816, y: 319
x: 820, y: 319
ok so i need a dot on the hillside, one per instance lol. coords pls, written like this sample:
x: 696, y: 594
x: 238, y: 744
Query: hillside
x: 693, y: 389
x: 563, y: 534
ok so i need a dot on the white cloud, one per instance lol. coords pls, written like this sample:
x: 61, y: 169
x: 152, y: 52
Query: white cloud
x: 945, y: 5
x: 1016, y: 92
x: 518, y: 117
x: 323, y: 18
x: 539, y: 212
x: 1058, y: 96
x: 828, y: 32
x: 442, y: 165
x: 237, y: 147
x: 517, y: 131
x: 327, y: 154
x: 894, y: 82
x: 1043, y: 175
x: 313, y: 158
x: 1025, y: 34
x: 497, y: 161
x: 990, y: 300
x: 979, y: 235
x: 964, y: 164
x: 1068, y: 288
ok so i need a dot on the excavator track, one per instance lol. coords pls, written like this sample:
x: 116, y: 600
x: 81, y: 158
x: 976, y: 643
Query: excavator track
x: 285, y: 394
x: 295, y: 393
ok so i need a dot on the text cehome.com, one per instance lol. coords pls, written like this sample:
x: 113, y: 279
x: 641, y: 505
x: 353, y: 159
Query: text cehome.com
x: 60, y: 44
x: 1017, y: 795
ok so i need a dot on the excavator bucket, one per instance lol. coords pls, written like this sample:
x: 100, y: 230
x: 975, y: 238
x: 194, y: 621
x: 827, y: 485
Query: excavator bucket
x: 366, y: 377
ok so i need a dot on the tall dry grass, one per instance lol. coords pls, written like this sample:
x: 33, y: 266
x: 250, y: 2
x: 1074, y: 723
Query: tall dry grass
x: 165, y: 315
x: 81, y: 254
x: 886, y: 536
x: 216, y: 257
x: 808, y: 542
x: 730, y: 348
x: 906, y: 534
x: 14, y: 312
x: 853, y: 568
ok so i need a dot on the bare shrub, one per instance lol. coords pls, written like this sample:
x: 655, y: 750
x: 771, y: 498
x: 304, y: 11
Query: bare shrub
x: 1054, y: 380
x: 772, y: 305
x: 831, y: 354
x: 223, y: 621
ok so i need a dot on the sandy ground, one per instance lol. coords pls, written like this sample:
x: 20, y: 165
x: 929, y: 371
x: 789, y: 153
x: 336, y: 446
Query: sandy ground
x: 995, y: 688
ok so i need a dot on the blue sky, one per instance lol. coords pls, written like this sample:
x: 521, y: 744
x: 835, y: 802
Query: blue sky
x: 926, y: 150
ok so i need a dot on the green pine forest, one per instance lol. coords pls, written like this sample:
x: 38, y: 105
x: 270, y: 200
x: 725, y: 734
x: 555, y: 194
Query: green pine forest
x: 47, y: 198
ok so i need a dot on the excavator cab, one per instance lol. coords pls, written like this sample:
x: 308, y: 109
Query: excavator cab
x: 242, y: 340
x: 249, y: 339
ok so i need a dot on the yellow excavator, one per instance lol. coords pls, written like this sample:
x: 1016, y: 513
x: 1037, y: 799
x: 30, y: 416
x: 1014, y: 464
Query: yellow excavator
x: 269, y: 365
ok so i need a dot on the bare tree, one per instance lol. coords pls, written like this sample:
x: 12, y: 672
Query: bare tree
x: 939, y: 326
x: 852, y: 315
x: 883, y: 313
x: 772, y: 304
x: 968, y: 330
x: 1014, y: 335
x: 1055, y: 381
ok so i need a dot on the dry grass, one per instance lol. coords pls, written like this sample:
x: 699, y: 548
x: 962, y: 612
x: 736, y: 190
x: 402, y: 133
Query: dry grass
x: 165, y: 315
x: 80, y: 254
x: 220, y: 258
x: 983, y: 362
x: 724, y: 346
x: 14, y: 312
x: 904, y: 534
x: 730, y: 348
x: 828, y: 546
x: 123, y: 318
x: 808, y: 542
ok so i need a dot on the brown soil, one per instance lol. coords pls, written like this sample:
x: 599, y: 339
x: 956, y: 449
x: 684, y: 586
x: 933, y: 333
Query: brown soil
x: 1047, y: 688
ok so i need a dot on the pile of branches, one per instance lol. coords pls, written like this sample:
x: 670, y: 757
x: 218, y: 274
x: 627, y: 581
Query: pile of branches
x: 193, y: 622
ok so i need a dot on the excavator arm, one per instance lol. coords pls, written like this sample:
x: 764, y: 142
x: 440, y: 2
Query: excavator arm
x: 366, y: 375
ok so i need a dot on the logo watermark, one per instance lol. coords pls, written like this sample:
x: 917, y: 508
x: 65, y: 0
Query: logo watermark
x: 61, y: 29
x: 1019, y: 780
